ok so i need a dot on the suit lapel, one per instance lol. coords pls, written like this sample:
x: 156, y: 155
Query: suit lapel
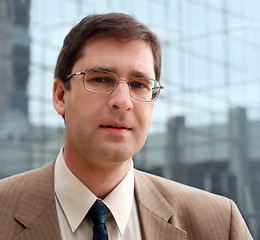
x: 37, y: 208
x: 154, y: 212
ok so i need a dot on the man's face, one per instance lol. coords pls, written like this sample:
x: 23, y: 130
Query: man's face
x: 108, y: 128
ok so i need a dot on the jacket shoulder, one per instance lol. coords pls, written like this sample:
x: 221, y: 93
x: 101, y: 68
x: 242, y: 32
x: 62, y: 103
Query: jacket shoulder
x: 15, y: 185
x: 191, y: 205
x: 201, y: 214
x: 23, y: 199
x: 169, y: 188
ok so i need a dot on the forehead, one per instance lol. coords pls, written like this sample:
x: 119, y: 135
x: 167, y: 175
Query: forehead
x: 121, y: 55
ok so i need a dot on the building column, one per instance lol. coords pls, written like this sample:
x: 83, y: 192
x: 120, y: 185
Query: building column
x: 173, y: 151
x: 239, y: 159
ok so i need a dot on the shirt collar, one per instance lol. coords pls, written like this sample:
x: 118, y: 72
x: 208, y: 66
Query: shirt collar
x: 120, y: 200
x: 76, y: 199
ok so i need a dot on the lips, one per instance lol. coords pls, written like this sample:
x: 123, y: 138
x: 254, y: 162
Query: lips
x: 116, y: 127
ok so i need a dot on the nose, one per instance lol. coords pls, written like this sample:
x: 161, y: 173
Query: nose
x: 120, y: 98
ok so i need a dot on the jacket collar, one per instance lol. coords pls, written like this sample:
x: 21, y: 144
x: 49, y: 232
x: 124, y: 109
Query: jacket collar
x: 37, y: 209
x: 155, y: 212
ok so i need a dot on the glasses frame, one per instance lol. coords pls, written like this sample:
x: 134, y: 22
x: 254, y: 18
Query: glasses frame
x: 118, y: 80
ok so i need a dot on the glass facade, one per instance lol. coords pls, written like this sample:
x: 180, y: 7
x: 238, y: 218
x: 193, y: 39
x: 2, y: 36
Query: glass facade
x: 206, y: 126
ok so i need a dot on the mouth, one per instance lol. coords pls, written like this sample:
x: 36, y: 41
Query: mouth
x: 116, y: 127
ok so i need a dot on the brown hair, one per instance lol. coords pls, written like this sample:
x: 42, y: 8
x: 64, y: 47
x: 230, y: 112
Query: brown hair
x: 119, y: 25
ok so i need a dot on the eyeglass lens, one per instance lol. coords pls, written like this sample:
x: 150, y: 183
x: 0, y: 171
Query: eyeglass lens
x: 105, y: 82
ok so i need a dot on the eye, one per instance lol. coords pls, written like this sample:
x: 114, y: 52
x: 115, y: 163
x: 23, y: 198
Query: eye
x: 142, y: 84
x: 99, y: 79
x: 136, y: 84
x: 106, y: 80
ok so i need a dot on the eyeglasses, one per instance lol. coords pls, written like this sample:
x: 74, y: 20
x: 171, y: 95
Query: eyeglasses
x: 105, y: 82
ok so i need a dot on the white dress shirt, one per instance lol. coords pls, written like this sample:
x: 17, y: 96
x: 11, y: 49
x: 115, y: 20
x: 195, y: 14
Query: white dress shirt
x: 74, y: 199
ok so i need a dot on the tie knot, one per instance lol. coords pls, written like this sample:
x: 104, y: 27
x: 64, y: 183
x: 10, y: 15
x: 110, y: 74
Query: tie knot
x: 98, y: 212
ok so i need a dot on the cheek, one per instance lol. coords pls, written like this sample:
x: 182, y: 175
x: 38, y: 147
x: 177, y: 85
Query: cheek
x: 74, y: 107
x: 151, y: 118
x: 149, y: 112
x: 145, y: 116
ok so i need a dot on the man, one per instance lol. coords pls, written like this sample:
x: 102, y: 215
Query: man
x: 106, y: 82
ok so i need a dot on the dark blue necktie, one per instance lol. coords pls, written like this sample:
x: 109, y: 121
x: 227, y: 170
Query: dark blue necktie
x: 98, y: 213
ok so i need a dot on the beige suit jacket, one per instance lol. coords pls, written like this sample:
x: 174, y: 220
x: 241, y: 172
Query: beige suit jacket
x: 167, y: 210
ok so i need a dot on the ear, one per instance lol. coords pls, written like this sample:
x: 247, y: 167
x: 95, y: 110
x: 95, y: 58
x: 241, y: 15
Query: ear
x: 59, y: 93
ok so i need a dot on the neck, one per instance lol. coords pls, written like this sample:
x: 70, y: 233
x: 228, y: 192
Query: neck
x: 101, y: 177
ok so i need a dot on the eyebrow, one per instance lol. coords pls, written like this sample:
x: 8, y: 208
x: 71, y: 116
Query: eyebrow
x: 140, y: 74
x: 114, y: 70
x: 103, y: 68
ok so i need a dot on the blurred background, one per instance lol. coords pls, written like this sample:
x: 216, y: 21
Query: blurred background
x: 206, y: 128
